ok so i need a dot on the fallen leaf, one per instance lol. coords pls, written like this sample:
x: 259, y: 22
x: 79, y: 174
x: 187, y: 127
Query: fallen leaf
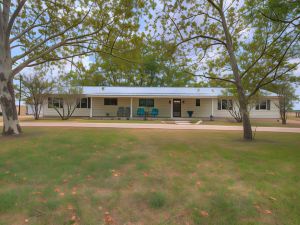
x: 108, y: 219
x: 115, y: 173
x: 73, y: 218
x: 199, y: 183
x: 74, y: 191
x: 266, y: 211
x: 146, y: 174
x: 272, y: 198
x: 204, y: 213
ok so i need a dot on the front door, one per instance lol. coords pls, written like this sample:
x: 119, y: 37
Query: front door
x: 176, y: 107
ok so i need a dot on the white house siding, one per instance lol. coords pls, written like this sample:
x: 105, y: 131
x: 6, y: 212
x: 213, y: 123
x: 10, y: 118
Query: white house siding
x: 272, y: 113
x: 164, y: 107
x: 99, y: 109
x: 52, y: 112
x: 204, y: 110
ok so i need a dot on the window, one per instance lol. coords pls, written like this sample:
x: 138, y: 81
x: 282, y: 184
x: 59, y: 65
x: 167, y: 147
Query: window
x: 263, y: 105
x: 198, y: 102
x: 146, y: 102
x: 224, y: 104
x: 110, y: 101
x: 84, y: 103
x: 55, y: 102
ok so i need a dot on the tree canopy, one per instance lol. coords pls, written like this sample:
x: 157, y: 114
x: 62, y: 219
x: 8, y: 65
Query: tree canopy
x: 151, y: 64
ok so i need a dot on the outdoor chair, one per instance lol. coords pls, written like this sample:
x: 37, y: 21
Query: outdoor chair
x: 154, y: 112
x: 127, y: 112
x: 140, y: 112
x: 120, y: 112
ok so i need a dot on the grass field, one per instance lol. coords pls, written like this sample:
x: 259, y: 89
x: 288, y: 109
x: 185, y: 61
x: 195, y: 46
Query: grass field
x: 110, y: 176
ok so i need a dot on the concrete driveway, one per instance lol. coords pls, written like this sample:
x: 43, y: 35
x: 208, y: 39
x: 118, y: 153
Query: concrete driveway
x: 156, y: 126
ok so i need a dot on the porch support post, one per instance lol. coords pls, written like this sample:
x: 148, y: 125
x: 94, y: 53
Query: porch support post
x: 212, y: 107
x: 91, y: 108
x: 130, y: 107
x: 171, y: 110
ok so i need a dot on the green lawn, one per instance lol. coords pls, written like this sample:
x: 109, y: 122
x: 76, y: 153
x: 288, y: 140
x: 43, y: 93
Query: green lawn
x: 84, y: 176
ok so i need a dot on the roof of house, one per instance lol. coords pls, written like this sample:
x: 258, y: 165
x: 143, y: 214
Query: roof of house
x: 158, y: 91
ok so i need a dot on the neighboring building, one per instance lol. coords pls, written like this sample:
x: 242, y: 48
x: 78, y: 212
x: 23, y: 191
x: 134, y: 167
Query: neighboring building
x: 161, y: 102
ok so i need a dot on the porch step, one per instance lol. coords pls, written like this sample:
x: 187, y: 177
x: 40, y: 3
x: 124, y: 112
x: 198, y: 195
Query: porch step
x: 182, y: 122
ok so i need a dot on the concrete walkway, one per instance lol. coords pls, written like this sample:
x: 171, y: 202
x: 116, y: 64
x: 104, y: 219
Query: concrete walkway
x: 156, y: 126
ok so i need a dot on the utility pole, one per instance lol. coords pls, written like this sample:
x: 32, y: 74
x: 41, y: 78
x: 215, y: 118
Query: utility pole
x: 20, y: 94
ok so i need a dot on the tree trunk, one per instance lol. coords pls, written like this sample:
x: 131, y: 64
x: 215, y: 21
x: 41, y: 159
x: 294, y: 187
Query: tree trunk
x: 246, y: 122
x: 284, y: 121
x: 36, y: 111
x: 283, y: 116
x: 238, y: 82
x: 11, y: 124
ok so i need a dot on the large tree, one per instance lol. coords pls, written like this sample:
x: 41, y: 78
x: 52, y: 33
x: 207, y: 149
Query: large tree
x: 150, y: 64
x: 34, y: 32
x: 231, y: 43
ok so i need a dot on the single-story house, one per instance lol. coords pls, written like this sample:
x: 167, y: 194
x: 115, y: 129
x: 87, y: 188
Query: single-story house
x: 159, y: 102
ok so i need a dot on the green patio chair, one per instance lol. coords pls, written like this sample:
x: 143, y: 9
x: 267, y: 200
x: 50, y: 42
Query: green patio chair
x: 140, y: 112
x: 154, y: 112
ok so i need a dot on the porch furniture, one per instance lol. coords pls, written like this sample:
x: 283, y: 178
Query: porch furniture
x: 154, y: 112
x: 120, y: 112
x: 190, y: 113
x: 127, y: 112
x: 140, y: 112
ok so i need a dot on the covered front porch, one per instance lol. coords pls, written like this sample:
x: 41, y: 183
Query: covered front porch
x: 157, y: 107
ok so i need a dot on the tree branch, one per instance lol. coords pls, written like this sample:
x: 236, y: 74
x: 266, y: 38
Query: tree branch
x: 204, y: 37
x: 55, y: 36
x: 210, y: 77
x: 214, y: 5
x: 32, y: 26
x: 281, y: 20
x: 14, y: 15
x: 266, y: 46
x: 275, y: 77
